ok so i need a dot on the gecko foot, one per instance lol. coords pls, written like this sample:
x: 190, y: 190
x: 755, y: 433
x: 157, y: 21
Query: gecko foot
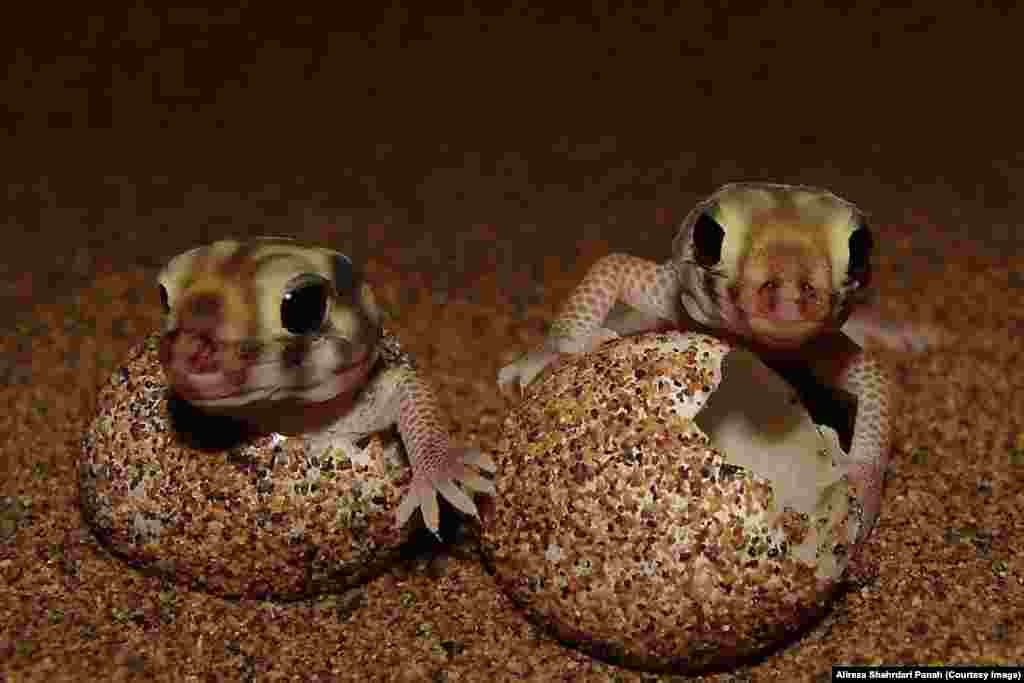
x: 445, y: 480
x: 871, y: 331
x: 867, y: 476
x: 526, y: 369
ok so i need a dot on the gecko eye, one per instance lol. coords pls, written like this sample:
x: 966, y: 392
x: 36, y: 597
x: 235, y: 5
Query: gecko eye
x: 344, y: 273
x: 304, y: 306
x: 859, y: 269
x: 707, y: 241
x: 165, y: 300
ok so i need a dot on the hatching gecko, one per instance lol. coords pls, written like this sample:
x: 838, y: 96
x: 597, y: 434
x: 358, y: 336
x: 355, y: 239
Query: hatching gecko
x: 289, y: 339
x: 782, y: 269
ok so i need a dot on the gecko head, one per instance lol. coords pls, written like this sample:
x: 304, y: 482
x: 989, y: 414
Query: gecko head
x: 777, y: 264
x: 265, y: 322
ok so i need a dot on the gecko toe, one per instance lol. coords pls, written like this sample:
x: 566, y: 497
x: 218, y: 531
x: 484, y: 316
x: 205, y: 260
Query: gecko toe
x: 406, y: 508
x: 479, y: 484
x: 507, y: 376
x: 457, y: 497
x: 523, y: 371
x: 480, y: 459
x: 424, y: 497
x: 431, y: 513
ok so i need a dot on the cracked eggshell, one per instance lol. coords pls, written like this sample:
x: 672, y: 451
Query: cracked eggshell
x: 264, y: 516
x: 666, y: 502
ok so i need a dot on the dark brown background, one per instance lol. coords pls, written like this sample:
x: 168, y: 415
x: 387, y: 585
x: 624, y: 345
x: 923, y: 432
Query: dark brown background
x: 133, y: 133
x: 521, y: 143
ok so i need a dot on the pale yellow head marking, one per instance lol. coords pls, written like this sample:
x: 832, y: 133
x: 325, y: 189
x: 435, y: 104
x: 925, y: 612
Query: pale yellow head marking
x: 198, y: 272
x: 835, y: 220
x: 816, y: 223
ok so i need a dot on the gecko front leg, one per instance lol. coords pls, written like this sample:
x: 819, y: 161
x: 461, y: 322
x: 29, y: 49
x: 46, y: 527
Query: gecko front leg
x: 649, y: 289
x: 436, y: 464
x: 838, y: 362
x: 398, y: 395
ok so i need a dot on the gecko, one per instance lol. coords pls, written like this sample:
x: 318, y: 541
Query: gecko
x: 784, y: 270
x: 290, y: 340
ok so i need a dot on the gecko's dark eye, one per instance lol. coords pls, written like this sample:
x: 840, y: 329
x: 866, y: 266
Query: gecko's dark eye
x: 165, y: 300
x: 860, y: 255
x: 344, y: 273
x: 304, y: 305
x: 707, y: 241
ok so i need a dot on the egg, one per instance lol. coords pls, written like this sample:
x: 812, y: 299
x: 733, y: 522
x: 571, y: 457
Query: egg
x: 198, y: 500
x: 666, y: 502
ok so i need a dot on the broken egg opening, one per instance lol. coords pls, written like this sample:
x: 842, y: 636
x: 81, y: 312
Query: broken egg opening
x: 666, y: 501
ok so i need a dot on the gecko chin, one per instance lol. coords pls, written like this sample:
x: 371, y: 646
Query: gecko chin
x: 787, y: 334
x: 770, y: 332
x: 780, y: 343
x: 212, y: 389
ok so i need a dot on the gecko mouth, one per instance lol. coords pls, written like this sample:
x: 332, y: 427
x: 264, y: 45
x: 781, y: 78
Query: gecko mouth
x: 217, y: 390
x: 223, y: 380
x: 770, y: 330
x: 782, y: 334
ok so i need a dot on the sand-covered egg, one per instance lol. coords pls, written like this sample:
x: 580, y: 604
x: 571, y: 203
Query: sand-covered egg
x: 197, y: 500
x: 666, y: 502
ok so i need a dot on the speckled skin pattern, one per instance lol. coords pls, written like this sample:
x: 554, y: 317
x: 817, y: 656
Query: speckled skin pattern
x: 288, y: 338
x: 652, y: 288
x: 627, y: 534
x: 869, y: 380
x: 777, y: 268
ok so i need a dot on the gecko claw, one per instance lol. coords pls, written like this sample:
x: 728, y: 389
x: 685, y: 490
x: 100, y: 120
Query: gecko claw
x: 518, y: 375
x: 457, y: 497
x: 456, y: 483
x: 423, y: 496
x: 479, y: 484
x: 478, y: 458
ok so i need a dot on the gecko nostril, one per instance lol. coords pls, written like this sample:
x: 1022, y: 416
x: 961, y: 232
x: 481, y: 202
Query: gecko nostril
x: 202, y: 354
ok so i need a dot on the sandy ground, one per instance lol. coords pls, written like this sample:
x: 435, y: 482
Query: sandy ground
x: 478, y: 162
